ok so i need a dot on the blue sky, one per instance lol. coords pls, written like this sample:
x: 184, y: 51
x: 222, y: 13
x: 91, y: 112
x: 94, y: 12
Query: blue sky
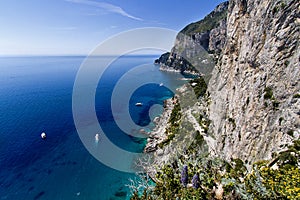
x: 75, y: 27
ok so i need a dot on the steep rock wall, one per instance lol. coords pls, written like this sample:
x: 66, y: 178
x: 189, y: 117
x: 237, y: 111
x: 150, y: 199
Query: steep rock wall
x: 254, y: 90
x: 198, y: 44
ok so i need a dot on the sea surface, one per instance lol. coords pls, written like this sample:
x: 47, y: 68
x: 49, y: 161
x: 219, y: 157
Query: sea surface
x: 36, y: 97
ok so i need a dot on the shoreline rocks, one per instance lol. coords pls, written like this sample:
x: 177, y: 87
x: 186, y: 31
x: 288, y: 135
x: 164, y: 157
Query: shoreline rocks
x: 158, y: 134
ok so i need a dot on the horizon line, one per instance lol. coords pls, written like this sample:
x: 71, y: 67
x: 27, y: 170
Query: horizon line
x: 72, y: 55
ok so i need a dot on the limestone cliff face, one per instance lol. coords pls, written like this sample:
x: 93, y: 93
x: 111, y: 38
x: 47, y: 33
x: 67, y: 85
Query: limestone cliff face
x: 254, y: 90
x: 196, y: 41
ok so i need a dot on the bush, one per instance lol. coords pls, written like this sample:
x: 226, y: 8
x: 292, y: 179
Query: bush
x: 263, y: 182
x: 280, y: 120
x: 296, y: 96
x: 275, y: 104
x: 268, y: 93
x: 290, y: 133
x: 173, y: 128
x: 267, y: 183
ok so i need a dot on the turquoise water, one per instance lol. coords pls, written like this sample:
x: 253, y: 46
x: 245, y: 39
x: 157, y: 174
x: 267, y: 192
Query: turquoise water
x: 35, y: 97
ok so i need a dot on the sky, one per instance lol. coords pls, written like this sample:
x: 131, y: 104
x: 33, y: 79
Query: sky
x: 76, y: 27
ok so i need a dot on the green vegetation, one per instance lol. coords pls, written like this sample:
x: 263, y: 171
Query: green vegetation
x: 145, y: 196
x: 264, y: 181
x: 296, y: 96
x: 181, y: 59
x: 181, y: 64
x: 275, y: 10
x: 283, y: 5
x: 270, y: 96
x: 286, y: 63
x: 232, y: 121
x: 175, y: 115
x: 163, y: 58
x: 174, y: 125
x: 208, y: 23
x: 275, y: 104
x: 199, y: 85
x: 204, y: 123
x: 275, y: 184
x: 198, y: 142
x: 268, y: 93
x: 290, y: 133
x: 238, y: 169
x: 279, y: 6
x: 280, y: 120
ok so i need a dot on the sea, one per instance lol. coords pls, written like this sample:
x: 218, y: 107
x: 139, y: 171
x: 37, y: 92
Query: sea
x: 36, y: 96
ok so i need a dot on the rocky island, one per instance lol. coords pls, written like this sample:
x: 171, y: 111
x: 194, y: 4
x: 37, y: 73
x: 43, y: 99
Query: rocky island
x: 238, y: 138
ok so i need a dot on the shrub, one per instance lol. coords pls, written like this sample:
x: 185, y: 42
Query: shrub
x: 231, y: 120
x: 267, y: 183
x: 173, y: 128
x: 268, y: 93
x: 175, y: 115
x: 280, y: 120
x: 290, y: 133
x: 296, y: 96
x: 275, y: 104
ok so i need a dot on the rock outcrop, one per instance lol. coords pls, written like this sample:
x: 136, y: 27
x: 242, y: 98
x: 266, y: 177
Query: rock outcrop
x: 254, y: 89
x: 198, y: 44
x: 249, y: 112
x: 254, y: 92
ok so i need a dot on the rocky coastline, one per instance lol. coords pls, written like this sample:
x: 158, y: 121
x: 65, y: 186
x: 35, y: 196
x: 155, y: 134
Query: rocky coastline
x: 158, y: 134
x: 166, y: 68
x: 240, y: 137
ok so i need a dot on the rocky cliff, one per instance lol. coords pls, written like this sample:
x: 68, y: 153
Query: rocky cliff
x: 198, y: 44
x: 207, y: 147
x: 253, y: 103
x: 255, y: 89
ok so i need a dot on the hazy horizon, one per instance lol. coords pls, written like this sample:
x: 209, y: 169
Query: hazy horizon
x: 76, y: 27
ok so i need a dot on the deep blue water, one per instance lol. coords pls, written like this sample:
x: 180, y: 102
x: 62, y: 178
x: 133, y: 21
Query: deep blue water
x: 35, y: 97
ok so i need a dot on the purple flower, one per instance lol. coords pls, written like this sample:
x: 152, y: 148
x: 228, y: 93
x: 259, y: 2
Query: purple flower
x: 196, y: 181
x: 184, y: 176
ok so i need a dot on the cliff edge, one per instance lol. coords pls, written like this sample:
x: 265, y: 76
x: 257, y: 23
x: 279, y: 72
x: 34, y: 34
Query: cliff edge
x: 240, y: 137
x: 254, y: 89
x: 198, y: 45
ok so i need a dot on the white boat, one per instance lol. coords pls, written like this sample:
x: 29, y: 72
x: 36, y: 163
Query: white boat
x: 43, y: 135
x: 97, y: 137
x: 138, y: 104
x: 161, y: 84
